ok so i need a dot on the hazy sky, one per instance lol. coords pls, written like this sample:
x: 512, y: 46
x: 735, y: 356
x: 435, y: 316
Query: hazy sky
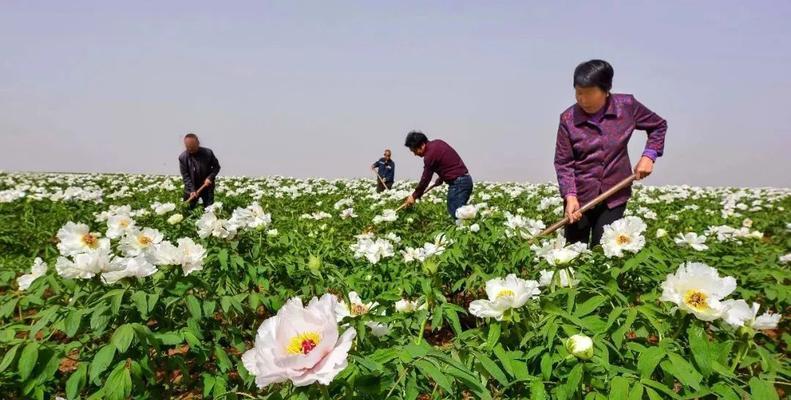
x: 303, y: 88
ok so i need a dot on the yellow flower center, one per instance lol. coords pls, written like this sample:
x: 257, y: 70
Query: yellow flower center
x: 144, y: 240
x: 696, y: 299
x: 359, y: 309
x: 303, y: 343
x: 505, y: 292
x: 90, y: 241
x: 124, y: 223
x: 623, y: 239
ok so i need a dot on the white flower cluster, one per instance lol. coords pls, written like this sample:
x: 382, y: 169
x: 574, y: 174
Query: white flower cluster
x: 517, y: 225
x: 725, y: 233
x: 428, y: 250
x: 386, y: 216
x: 85, y: 254
x: 371, y: 248
x: 250, y: 217
x: 556, y: 252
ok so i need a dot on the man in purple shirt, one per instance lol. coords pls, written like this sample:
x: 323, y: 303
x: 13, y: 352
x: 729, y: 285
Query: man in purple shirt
x: 440, y: 158
x: 591, y: 149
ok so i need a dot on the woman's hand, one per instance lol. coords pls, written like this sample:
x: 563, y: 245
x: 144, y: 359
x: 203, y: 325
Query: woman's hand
x: 644, y: 167
x: 573, y: 209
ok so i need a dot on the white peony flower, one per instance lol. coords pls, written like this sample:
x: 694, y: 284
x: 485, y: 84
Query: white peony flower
x: 378, y: 329
x: 519, y: 225
x: 475, y: 228
x: 119, y: 225
x: 466, y: 212
x: 162, y: 208
x: 386, y: 216
x: 272, y: 232
x: 660, y: 233
x: 692, y: 239
x: 697, y: 288
x: 785, y: 259
x: 77, y: 238
x: 354, y: 309
x: 121, y: 268
x: 348, y: 213
x: 408, y: 306
x: 86, y: 265
x: 565, y: 277
x: 300, y: 344
x: 38, y: 270
x: 738, y: 313
x: 556, y: 252
x: 140, y: 242
x: 503, y: 295
x: 580, y: 346
x: 626, y: 234
x: 175, y: 219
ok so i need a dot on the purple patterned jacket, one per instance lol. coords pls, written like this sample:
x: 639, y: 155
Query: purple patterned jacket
x: 592, y: 157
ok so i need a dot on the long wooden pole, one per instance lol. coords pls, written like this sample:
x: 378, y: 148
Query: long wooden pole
x: 593, y: 203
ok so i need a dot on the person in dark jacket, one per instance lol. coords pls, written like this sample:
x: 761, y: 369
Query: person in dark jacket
x: 385, y: 169
x: 591, y: 150
x: 199, y: 167
x: 440, y: 158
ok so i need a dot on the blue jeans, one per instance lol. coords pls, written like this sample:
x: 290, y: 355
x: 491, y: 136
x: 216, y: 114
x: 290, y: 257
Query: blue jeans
x: 459, y: 191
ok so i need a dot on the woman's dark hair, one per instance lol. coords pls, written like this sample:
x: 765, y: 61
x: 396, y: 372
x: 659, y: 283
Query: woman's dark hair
x: 414, y: 139
x: 594, y: 73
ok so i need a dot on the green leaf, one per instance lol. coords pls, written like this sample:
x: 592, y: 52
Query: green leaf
x: 8, y: 358
x: 589, y: 305
x: 169, y: 338
x: 222, y: 256
x: 193, y: 305
x: 76, y: 381
x: 98, y: 319
x: 27, y: 360
x: 101, y: 361
x: 494, y: 334
x: 505, y: 360
x: 492, y: 368
x: 618, y: 335
x: 141, y: 303
x: 699, y: 344
x: 619, y: 388
x: 546, y: 366
x: 682, y: 370
x: 725, y: 392
x: 637, y: 392
x: 453, y: 318
x: 761, y: 389
x: 72, y: 322
x: 7, y: 308
x: 122, y: 337
x: 432, y: 372
x: 537, y: 391
x: 208, y: 384
x: 222, y: 358
x: 574, y: 379
x: 648, y: 360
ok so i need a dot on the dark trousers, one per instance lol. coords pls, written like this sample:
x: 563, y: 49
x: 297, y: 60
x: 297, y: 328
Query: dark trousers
x: 380, y: 187
x: 590, y: 228
x: 207, y: 195
x: 459, y: 192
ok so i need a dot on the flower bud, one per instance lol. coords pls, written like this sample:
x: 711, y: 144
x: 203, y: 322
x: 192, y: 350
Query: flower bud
x: 580, y: 346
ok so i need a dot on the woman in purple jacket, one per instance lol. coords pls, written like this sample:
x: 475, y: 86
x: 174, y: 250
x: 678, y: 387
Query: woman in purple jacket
x: 591, y: 149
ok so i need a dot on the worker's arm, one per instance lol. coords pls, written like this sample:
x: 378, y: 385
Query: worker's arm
x: 214, y: 166
x: 424, y: 181
x: 656, y: 127
x: 189, y: 186
x: 376, y: 165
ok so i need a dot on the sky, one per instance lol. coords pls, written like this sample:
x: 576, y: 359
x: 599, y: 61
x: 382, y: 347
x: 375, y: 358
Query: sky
x: 321, y: 88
